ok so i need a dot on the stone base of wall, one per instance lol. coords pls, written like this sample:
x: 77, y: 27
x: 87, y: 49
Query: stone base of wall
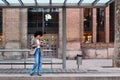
x: 98, y: 53
x: 90, y: 53
x: 12, y: 55
x: 71, y: 54
x: 59, y: 53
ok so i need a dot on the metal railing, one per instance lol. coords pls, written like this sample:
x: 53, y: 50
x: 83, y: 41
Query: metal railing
x: 24, y: 60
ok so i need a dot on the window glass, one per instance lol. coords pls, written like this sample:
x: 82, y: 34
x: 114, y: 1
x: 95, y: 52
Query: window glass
x: 112, y: 23
x: 87, y: 25
x: 46, y: 20
x: 1, y: 37
x: 100, y: 25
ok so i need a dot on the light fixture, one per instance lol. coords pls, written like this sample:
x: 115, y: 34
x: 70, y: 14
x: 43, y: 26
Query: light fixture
x: 48, y: 17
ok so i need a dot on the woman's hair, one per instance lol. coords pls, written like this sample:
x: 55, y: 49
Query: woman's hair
x: 38, y: 33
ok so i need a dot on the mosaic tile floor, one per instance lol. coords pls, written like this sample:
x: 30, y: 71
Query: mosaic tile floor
x: 26, y: 71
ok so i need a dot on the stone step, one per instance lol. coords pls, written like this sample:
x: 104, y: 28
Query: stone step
x: 54, y: 77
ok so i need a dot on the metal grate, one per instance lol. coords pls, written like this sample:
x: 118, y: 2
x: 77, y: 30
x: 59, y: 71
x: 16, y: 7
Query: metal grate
x: 51, y: 43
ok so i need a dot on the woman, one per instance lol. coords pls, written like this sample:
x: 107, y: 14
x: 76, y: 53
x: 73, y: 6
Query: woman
x: 37, y: 44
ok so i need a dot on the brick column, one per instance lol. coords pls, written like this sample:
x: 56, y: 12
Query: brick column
x: 23, y: 27
x: 14, y: 30
x: 107, y: 25
x: 94, y: 16
x: 11, y: 31
x: 81, y: 25
x: 73, y: 32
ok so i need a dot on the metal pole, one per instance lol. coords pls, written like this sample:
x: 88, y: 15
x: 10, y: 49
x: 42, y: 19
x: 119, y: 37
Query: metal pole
x: 37, y: 19
x: 64, y: 36
x: 43, y: 22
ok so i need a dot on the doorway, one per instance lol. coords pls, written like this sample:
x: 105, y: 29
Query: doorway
x: 47, y: 21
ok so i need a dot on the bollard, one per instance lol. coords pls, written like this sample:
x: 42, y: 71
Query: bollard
x: 79, y: 59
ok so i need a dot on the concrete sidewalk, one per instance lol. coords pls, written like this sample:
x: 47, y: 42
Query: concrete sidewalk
x: 70, y: 64
x: 88, y: 66
x: 91, y: 69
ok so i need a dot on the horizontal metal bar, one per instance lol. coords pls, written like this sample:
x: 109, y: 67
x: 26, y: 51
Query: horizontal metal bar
x: 52, y: 6
x: 21, y: 50
x: 15, y: 50
x: 44, y: 63
x: 26, y: 63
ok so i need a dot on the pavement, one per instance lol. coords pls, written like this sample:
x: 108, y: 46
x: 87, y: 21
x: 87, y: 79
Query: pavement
x: 70, y: 64
x: 89, y: 68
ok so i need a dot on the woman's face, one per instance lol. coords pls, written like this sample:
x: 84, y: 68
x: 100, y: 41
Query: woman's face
x: 38, y: 37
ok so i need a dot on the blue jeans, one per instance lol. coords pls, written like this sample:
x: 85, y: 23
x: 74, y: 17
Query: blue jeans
x: 37, y: 62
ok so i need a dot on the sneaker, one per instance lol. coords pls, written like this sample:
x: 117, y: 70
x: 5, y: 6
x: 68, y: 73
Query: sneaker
x: 39, y: 75
x: 31, y: 74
